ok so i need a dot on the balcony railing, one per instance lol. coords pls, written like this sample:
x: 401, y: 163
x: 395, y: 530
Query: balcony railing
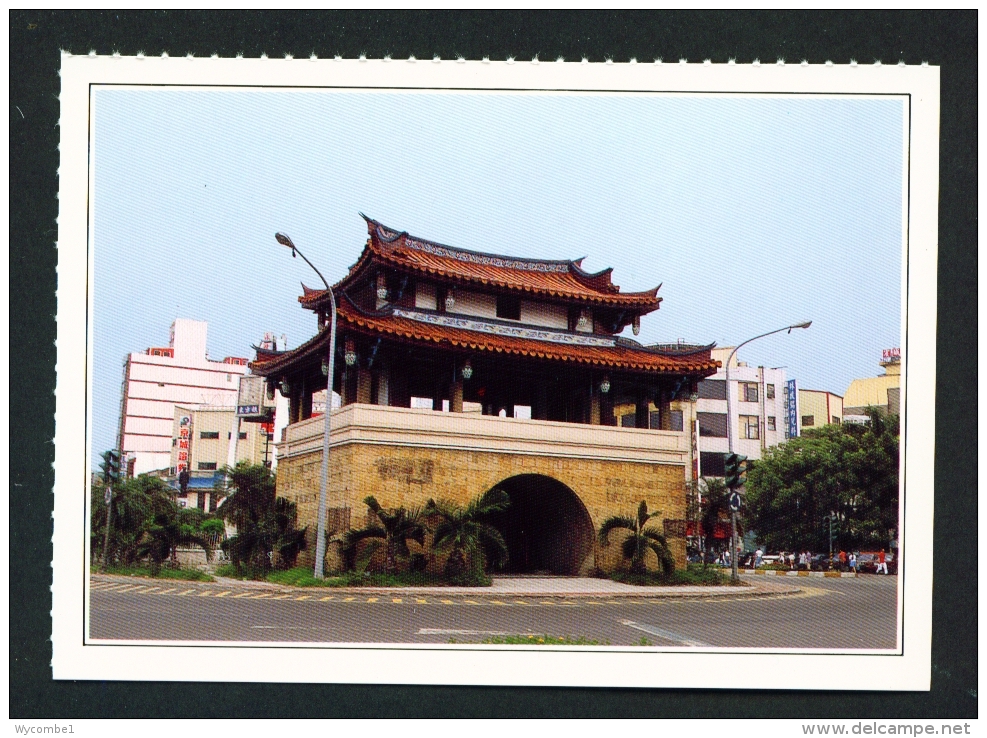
x: 392, y: 426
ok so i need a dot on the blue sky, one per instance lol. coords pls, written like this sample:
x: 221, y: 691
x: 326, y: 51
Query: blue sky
x: 754, y: 212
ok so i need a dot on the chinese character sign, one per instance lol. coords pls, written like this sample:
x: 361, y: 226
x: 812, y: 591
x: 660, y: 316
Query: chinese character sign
x: 184, y: 436
x: 791, y: 409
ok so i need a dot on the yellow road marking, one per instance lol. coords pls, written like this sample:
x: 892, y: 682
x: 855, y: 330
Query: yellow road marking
x: 242, y: 594
x: 205, y: 593
x: 149, y: 590
x: 372, y: 599
x: 546, y: 602
x: 281, y: 597
x: 348, y: 599
x: 471, y: 602
x: 421, y: 602
x: 128, y: 588
x: 303, y: 597
x: 446, y: 602
x: 111, y: 587
x: 223, y: 593
x: 520, y: 602
x: 261, y: 596
x: 173, y: 589
x: 395, y: 599
x: 496, y: 602
x: 595, y: 603
x: 326, y: 599
x: 186, y: 592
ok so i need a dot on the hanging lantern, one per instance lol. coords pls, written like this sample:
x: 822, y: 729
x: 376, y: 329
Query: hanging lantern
x: 285, y: 388
x: 350, y: 354
x: 605, y: 384
x: 381, y: 287
x: 583, y: 321
x: 636, y: 325
x: 270, y: 391
x: 450, y: 301
x: 467, y: 371
x: 694, y: 397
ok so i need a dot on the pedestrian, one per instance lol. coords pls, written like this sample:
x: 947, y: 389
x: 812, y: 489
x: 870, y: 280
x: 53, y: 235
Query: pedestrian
x: 852, y: 562
x: 842, y: 560
x: 758, y: 555
x: 801, y: 559
x: 882, y: 564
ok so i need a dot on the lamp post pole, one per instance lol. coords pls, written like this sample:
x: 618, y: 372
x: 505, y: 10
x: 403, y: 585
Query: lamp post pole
x: 734, y: 575
x: 320, y: 543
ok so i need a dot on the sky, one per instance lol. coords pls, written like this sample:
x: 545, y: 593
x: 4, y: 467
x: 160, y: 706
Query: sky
x: 752, y: 212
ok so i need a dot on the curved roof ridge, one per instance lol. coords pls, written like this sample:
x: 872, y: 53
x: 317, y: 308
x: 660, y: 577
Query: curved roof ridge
x: 389, y: 235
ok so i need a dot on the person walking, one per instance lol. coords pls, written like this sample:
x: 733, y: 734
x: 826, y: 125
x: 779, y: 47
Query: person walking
x: 758, y: 557
x: 852, y: 562
x: 842, y: 560
x: 882, y: 564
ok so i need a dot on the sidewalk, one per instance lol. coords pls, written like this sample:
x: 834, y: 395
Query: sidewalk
x: 789, y: 573
x: 566, y: 587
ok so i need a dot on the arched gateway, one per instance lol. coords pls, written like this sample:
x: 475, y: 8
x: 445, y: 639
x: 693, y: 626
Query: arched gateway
x: 547, y: 527
x: 458, y: 371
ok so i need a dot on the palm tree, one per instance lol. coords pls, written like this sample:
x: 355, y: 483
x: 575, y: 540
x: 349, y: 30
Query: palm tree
x: 397, y: 526
x: 466, y: 536
x: 639, y: 540
x: 169, y: 527
x: 264, y: 522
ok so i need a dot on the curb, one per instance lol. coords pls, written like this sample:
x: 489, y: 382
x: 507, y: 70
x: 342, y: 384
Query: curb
x: 693, y: 592
x: 817, y: 574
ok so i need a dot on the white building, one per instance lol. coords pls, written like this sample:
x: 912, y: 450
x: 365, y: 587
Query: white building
x: 157, y: 379
x: 758, y: 410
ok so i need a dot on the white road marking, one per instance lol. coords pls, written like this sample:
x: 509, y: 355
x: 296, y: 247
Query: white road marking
x: 665, y: 634
x: 448, y: 631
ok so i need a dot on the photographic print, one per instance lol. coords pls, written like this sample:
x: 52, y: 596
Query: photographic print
x: 495, y: 373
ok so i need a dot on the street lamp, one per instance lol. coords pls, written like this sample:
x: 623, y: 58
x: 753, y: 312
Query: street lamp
x: 320, y: 543
x: 734, y: 576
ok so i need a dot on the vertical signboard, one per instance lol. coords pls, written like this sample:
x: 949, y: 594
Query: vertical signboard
x: 791, y: 409
x: 184, y: 443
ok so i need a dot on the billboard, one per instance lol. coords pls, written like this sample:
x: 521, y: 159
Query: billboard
x: 252, y: 401
x: 791, y: 409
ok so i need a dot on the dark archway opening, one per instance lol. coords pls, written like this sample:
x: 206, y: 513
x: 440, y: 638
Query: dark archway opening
x: 546, y: 527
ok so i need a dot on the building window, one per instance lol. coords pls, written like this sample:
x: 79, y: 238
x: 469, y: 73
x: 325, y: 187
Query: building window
x: 771, y: 422
x: 748, y: 391
x: 628, y: 420
x: 654, y: 420
x: 711, y: 463
x: 712, y: 424
x: 229, y: 377
x: 750, y: 426
x: 508, y: 307
x: 769, y: 391
x: 209, y: 434
x: 207, y: 465
x: 836, y: 419
x: 713, y: 389
x: 808, y: 420
x: 676, y: 418
x: 243, y: 436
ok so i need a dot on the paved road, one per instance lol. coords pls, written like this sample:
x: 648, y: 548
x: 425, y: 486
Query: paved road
x: 827, y: 613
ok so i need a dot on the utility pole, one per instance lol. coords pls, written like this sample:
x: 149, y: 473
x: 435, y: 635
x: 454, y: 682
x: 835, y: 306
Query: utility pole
x: 111, y: 474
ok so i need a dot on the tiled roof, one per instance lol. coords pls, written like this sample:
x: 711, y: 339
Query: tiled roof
x: 479, y: 335
x: 563, y: 279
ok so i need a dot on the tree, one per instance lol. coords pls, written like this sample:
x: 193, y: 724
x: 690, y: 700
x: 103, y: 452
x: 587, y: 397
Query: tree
x: 397, y: 526
x: 640, y: 539
x: 170, y: 527
x: 265, y: 523
x: 466, y: 536
x: 134, y: 502
x: 715, y: 508
x: 848, y: 471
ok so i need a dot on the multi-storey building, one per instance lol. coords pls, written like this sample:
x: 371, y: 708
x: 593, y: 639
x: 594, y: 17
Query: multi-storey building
x: 202, y: 442
x: 882, y: 392
x: 758, y: 412
x: 461, y: 371
x: 155, y: 380
x: 818, y: 408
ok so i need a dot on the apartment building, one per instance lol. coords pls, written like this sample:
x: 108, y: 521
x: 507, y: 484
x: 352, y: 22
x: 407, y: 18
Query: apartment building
x: 158, y: 379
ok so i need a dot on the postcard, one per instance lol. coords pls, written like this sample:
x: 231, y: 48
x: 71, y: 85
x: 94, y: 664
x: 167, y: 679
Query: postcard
x: 513, y: 373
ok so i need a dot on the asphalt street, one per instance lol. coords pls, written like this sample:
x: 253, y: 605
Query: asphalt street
x: 825, y: 614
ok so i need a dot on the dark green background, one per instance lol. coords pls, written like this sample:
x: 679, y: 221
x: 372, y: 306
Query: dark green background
x: 946, y: 39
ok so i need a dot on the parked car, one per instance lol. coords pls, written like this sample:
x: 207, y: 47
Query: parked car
x: 820, y: 562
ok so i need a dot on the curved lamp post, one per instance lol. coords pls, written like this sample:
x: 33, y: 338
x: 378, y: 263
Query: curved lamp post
x: 320, y: 543
x: 733, y: 514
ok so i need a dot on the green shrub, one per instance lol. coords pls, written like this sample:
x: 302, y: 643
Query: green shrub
x: 694, y: 575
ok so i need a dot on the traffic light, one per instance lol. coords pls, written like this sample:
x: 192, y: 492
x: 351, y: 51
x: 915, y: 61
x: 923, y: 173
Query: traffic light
x: 735, y: 470
x: 111, y: 467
